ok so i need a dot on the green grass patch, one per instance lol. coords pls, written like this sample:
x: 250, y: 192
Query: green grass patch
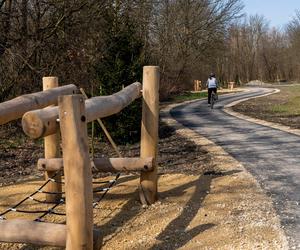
x: 288, y: 101
x: 188, y: 96
x: 279, y: 109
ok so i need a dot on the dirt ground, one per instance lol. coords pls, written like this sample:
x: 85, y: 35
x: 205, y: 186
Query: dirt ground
x: 207, y: 200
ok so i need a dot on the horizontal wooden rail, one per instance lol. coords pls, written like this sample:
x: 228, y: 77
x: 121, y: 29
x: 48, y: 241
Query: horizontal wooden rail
x: 38, y: 233
x: 103, y: 164
x: 43, y: 122
x: 17, y: 107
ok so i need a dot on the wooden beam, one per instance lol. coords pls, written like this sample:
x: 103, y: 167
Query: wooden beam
x: 31, y: 232
x: 53, y: 164
x: 149, y: 132
x: 52, y: 150
x: 103, y: 164
x: 17, y: 107
x: 38, y: 233
x: 78, y: 174
x: 43, y: 122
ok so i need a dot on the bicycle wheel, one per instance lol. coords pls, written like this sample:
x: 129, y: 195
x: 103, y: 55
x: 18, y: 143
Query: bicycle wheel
x: 212, y: 100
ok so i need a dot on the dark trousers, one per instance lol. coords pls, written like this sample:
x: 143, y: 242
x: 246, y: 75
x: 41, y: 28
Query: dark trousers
x: 210, y: 90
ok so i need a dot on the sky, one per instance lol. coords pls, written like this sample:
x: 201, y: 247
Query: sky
x: 278, y: 12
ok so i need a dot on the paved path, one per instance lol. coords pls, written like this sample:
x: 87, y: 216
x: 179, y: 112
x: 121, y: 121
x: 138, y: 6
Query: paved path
x: 271, y: 155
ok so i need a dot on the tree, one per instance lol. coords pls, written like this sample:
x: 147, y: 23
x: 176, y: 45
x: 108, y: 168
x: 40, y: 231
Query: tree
x: 120, y: 65
x: 293, y: 32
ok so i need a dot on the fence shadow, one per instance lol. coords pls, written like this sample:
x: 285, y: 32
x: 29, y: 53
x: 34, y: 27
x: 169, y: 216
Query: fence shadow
x: 178, y: 228
x: 183, y: 235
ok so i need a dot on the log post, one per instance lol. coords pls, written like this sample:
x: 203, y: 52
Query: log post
x: 149, y: 132
x: 52, y: 150
x: 77, y: 170
x: 199, y: 85
x: 230, y: 85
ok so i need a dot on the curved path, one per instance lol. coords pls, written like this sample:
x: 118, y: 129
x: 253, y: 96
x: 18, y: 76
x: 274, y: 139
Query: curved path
x: 271, y: 155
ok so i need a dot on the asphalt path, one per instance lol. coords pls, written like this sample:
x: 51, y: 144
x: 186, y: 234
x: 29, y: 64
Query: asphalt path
x: 272, y: 156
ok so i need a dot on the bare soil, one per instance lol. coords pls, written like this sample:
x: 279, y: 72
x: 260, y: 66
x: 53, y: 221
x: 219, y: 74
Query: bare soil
x: 207, y: 200
x: 19, y: 154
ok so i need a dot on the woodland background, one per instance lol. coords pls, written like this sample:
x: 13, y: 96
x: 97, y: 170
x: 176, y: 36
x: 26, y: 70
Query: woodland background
x: 102, y: 46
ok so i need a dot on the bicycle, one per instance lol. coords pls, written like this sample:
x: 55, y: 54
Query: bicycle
x: 213, y: 99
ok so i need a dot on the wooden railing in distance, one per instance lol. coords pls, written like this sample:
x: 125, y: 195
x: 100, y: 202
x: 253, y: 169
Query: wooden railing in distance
x: 43, y: 122
x: 17, y: 107
x: 103, y: 164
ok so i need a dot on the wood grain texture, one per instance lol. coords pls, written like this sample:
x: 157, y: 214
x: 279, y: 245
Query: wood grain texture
x: 43, y: 122
x: 149, y: 132
x: 52, y: 150
x: 77, y: 171
x: 103, y: 164
x: 38, y: 233
x: 17, y: 107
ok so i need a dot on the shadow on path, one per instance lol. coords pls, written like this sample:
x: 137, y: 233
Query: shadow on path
x: 177, y: 234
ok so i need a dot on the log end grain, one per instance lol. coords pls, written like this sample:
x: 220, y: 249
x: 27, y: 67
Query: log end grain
x: 32, y: 125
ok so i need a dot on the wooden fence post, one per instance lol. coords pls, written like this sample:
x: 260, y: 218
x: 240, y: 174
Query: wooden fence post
x: 149, y: 132
x: 78, y: 174
x: 199, y: 86
x: 52, y: 150
x: 230, y: 85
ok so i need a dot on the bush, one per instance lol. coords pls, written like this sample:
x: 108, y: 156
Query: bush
x: 121, y: 65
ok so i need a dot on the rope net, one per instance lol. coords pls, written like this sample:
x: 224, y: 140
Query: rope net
x: 56, y: 208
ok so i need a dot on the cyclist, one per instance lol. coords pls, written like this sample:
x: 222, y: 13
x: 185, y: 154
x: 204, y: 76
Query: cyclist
x: 212, y: 85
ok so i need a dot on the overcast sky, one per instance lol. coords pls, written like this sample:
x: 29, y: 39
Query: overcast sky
x: 278, y: 12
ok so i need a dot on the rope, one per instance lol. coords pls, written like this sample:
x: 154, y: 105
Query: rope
x: 111, y: 184
x: 47, y: 192
x: 43, y: 202
x: 49, y: 211
x: 27, y: 198
x: 58, y: 182
x: 103, y: 182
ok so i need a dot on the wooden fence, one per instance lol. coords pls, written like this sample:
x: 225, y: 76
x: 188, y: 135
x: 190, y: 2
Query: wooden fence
x: 42, y: 118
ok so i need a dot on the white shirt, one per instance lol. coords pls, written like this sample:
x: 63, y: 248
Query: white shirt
x: 212, y: 82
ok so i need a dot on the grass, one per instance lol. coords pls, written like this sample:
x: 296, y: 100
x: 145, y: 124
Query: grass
x: 188, y: 96
x: 290, y: 101
x: 283, y: 107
